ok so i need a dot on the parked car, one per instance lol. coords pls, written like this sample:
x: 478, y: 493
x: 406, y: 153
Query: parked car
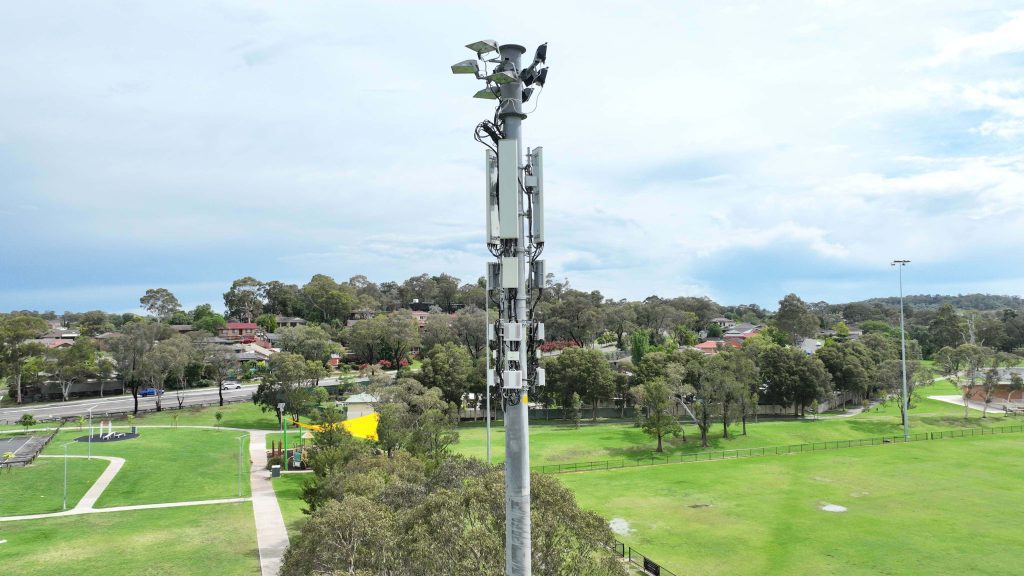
x: 150, y: 392
x: 231, y: 386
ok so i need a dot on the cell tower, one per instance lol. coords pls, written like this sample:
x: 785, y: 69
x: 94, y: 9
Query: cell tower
x: 515, y: 279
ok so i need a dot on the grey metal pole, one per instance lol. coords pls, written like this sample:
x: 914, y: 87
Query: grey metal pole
x: 90, y: 431
x: 518, y: 549
x: 903, y: 350
x: 65, y: 477
x: 487, y: 379
x: 240, y: 465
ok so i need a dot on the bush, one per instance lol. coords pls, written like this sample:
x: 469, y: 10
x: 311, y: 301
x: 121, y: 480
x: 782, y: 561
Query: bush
x: 275, y: 461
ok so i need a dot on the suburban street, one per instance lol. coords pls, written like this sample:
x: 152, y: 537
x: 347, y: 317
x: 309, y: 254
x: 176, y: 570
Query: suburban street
x: 120, y: 403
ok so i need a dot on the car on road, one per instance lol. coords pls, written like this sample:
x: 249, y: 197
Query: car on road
x: 150, y: 392
x: 231, y: 386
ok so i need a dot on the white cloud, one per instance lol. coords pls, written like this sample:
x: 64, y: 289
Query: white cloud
x: 1008, y: 38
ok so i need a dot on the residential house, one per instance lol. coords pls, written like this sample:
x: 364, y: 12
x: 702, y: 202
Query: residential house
x: 712, y: 347
x: 723, y: 322
x: 290, y: 321
x: 238, y: 330
x: 741, y: 332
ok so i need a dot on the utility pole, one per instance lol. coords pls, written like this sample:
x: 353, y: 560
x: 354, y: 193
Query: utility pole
x: 903, y: 349
x: 515, y: 279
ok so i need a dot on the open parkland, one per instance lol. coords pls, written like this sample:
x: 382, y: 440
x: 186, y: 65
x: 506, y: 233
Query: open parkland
x: 181, y: 499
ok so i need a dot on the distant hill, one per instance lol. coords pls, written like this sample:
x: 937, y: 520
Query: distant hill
x: 981, y: 302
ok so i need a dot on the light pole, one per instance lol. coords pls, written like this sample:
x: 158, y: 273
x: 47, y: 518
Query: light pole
x: 284, y: 434
x: 65, y: 446
x: 903, y: 351
x: 90, y: 429
x: 515, y: 238
x: 240, y: 463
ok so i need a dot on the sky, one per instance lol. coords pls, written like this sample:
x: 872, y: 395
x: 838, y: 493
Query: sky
x: 738, y: 150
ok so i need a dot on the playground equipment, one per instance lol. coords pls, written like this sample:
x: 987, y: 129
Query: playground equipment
x: 362, y: 427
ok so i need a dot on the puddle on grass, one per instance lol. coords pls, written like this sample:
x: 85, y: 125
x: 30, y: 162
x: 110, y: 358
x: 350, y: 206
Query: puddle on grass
x: 619, y: 526
x: 833, y: 508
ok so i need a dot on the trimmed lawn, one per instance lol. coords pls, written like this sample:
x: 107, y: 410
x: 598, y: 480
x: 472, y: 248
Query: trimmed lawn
x: 216, y: 540
x: 941, y: 507
x: 554, y: 441
x: 289, y: 496
x: 39, y: 488
x: 169, y: 465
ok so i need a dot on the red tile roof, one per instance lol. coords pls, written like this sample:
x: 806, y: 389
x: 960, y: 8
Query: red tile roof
x: 241, y: 326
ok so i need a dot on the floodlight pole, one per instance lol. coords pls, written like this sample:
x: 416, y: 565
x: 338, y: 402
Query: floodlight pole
x: 65, y: 506
x: 90, y: 430
x: 240, y: 464
x: 903, y: 353
x: 488, y: 381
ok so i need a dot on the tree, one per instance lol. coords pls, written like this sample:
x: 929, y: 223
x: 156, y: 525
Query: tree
x: 446, y: 292
x: 620, y: 319
x: 216, y: 363
x: 1016, y: 384
x: 575, y: 410
x: 795, y: 319
x: 657, y: 420
x: 311, y: 342
x: 325, y: 300
x: 449, y: 368
x: 15, y: 349
x: 26, y: 420
x: 159, y: 302
x: 968, y: 357
x: 74, y: 364
x: 268, y: 322
x: 288, y: 381
x: 211, y: 323
x: 946, y: 329
x: 130, y: 350
x: 584, y: 371
x: 387, y: 515
x: 244, y: 299
x: 575, y: 316
x: 438, y: 329
x: 988, y: 388
x: 398, y: 335
x: 639, y: 345
x: 470, y: 328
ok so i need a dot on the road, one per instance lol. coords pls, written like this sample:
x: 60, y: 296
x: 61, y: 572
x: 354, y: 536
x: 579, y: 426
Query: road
x: 119, y: 403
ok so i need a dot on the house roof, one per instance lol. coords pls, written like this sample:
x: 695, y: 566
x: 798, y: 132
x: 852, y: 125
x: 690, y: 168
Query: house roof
x: 362, y: 398
x: 241, y: 326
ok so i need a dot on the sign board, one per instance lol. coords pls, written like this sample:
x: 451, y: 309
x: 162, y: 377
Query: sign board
x: 651, y: 567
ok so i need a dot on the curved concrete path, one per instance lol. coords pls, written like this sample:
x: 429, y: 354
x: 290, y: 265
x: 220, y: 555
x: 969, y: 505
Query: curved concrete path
x: 271, y: 533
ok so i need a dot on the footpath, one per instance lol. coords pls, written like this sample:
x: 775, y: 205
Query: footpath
x: 271, y: 533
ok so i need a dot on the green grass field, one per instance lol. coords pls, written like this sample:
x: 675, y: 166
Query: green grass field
x: 554, y: 442
x: 289, y: 496
x: 39, y: 488
x: 169, y: 465
x: 216, y: 540
x: 930, y: 508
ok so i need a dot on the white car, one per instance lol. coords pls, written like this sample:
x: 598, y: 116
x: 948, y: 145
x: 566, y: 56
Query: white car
x: 231, y: 386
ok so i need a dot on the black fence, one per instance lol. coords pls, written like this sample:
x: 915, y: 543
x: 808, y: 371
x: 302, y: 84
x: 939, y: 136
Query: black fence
x: 768, y: 450
x: 639, y: 560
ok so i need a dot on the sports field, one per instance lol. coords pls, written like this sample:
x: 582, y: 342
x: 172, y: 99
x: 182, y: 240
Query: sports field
x: 930, y: 508
x: 555, y: 441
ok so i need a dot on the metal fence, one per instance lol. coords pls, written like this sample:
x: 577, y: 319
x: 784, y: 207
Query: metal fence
x: 768, y: 450
x: 639, y: 560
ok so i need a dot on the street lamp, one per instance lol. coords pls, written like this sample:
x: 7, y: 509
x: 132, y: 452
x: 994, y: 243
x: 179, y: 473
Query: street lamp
x: 90, y: 429
x: 239, y: 438
x: 65, y: 446
x: 903, y: 351
x: 284, y: 433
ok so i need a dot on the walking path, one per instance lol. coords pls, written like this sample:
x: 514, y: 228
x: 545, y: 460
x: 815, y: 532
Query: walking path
x: 972, y: 404
x: 271, y: 533
x: 88, y: 502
